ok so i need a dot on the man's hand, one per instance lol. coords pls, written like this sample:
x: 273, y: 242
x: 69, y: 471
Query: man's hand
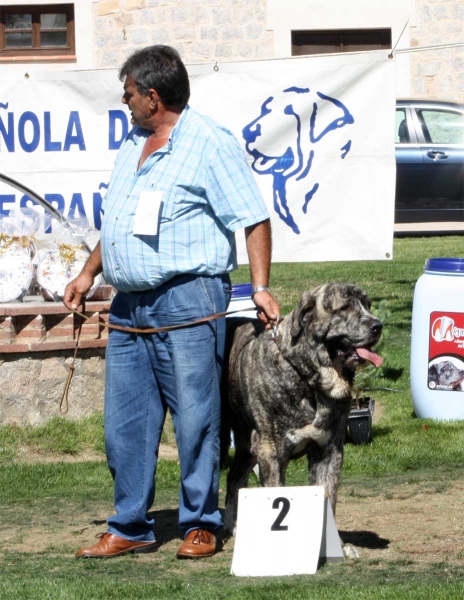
x: 268, y: 308
x: 77, y: 288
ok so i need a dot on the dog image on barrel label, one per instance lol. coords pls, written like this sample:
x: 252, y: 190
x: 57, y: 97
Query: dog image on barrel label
x: 445, y: 375
x: 290, y: 395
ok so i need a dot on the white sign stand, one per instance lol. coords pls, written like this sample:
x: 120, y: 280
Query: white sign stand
x: 284, y: 531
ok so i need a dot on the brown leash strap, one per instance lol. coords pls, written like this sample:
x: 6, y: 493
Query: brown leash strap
x: 64, y: 398
x: 169, y: 327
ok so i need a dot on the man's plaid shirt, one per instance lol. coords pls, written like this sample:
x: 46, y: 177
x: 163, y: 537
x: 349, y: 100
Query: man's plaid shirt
x: 208, y: 193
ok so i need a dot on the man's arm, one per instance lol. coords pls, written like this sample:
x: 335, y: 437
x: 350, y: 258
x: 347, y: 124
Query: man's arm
x: 259, y: 247
x: 77, y: 288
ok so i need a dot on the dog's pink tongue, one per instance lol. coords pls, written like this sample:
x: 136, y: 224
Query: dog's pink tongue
x: 372, y: 357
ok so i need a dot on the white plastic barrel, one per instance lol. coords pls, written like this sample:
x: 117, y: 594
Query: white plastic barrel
x: 241, y: 299
x: 437, y: 340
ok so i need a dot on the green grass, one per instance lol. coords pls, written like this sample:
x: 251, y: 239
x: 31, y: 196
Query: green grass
x: 132, y: 579
x: 416, y: 455
x: 57, y: 436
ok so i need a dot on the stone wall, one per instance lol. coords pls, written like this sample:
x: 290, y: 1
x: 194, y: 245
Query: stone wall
x: 31, y: 386
x: 210, y: 30
x: 201, y: 30
x: 37, y: 341
x: 438, y: 73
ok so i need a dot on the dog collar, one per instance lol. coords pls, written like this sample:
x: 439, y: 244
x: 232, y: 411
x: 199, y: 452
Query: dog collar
x: 275, y: 330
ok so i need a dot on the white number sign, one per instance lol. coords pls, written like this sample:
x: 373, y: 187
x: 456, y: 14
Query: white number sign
x: 284, y: 531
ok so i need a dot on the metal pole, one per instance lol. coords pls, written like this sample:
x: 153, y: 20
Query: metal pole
x: 44, y: 203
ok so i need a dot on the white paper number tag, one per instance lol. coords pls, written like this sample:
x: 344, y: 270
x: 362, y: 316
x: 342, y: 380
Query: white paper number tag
x: 284, y: 531
x: 147, y: 213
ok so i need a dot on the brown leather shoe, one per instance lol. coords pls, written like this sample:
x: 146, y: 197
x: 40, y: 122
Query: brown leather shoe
x: 112, y: 545
x: 199, y: 543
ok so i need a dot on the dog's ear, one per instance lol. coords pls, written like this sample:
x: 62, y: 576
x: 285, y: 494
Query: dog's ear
x: 305, y: 305
x: 433, y: 373
x: 363, y: 297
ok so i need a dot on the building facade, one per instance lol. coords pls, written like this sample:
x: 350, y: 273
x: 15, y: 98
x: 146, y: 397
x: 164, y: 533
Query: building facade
x: 102, y: 33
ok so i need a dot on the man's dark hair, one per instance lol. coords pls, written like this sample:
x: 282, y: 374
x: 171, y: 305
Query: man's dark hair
x: 160, y: 68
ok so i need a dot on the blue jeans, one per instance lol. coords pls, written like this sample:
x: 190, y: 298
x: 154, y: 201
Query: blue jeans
x: 148, y: 373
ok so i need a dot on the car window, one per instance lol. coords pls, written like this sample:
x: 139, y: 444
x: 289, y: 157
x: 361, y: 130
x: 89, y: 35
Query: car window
x: 442, y: 126
x: 401, y: 127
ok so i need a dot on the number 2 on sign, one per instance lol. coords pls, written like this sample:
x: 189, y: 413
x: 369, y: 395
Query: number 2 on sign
x: 277, y: 525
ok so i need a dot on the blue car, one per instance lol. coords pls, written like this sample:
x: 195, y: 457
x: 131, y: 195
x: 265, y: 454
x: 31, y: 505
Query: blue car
x: 429, y: 161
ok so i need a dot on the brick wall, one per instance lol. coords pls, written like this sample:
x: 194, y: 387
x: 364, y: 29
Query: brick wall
x: 201, y: 30
x: 37, y: 326
x: 37, y: 341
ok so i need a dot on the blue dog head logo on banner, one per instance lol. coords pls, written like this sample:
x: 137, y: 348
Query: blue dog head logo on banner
x: 283, y: 141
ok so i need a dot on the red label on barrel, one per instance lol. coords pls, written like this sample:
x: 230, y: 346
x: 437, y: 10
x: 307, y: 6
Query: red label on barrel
x: 446, y: 352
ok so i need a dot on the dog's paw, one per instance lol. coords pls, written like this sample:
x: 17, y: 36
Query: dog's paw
x: 230, y: 532
x: 350, y: 552
x: 308, y: 432
x: 230, y: 523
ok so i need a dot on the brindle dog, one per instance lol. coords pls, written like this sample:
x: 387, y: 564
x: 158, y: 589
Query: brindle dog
x: 292, y: 396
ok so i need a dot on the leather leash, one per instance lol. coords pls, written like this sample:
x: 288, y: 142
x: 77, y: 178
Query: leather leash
x: 168, y: 327
x: 64, y: 398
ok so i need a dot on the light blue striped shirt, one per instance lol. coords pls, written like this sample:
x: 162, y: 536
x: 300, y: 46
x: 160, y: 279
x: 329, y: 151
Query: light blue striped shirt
x: 208, y: 193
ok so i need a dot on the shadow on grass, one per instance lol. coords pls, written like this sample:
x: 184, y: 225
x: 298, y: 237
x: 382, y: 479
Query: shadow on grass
x: 364, y: 539
x: 381, y: 431
x: 392, y: 374
x: 166, y: 524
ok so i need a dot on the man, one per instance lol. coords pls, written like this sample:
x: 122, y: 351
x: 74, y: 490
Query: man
x: 179, y: 190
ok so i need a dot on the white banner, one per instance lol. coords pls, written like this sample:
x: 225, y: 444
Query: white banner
x: 318, y: 133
